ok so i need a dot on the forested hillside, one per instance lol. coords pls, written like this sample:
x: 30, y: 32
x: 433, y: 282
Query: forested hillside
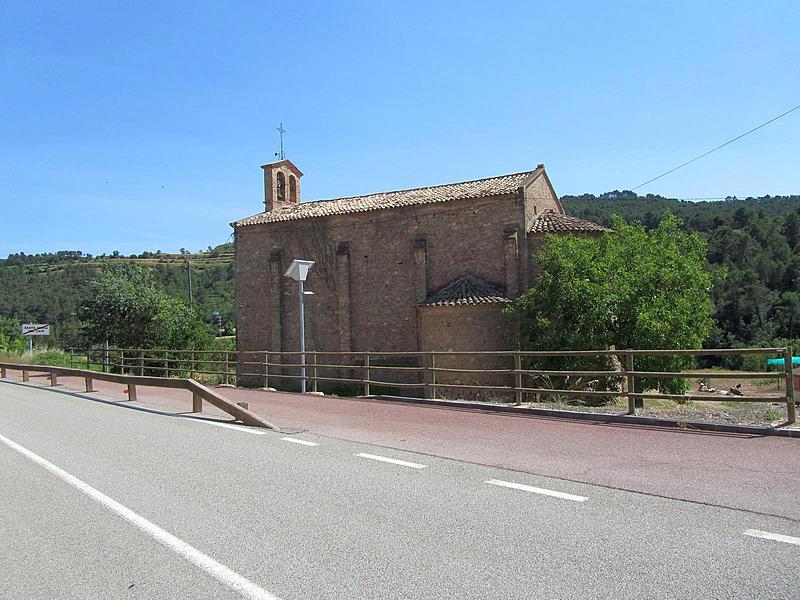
x: 757, y: 240
x: 48, y: 288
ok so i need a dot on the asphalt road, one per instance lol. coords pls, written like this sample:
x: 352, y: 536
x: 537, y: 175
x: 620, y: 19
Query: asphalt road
x: 751, y: 472
x: 101, y: 501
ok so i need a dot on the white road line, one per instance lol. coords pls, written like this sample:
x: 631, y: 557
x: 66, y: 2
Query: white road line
x: 536, y: 490
x: 776, y: 537
x: 227, y: 577
x: 252, y: 430
x: 394, y: 461
x: 297, y: 441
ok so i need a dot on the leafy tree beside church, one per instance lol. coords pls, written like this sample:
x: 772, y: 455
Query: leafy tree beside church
x: 631, y: 288
x: 126, y: 308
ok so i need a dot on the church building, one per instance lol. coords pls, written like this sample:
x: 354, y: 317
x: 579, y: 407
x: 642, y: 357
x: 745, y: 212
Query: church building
x: 410, y: 270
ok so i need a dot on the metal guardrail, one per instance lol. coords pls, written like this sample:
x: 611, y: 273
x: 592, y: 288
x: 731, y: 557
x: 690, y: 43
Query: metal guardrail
x: 435, y: 371
x: 199, y: 391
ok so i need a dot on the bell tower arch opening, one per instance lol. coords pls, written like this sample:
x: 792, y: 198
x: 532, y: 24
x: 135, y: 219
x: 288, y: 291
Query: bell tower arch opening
x: 281, y: 185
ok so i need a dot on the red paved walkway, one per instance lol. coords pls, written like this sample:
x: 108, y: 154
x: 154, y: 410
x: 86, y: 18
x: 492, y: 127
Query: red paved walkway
x: 759, y: 474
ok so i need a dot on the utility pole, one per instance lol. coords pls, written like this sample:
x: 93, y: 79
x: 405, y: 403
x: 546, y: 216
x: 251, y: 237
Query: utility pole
x: 189, y: 276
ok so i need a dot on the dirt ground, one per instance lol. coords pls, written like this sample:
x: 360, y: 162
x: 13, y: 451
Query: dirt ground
x: 719, y: 408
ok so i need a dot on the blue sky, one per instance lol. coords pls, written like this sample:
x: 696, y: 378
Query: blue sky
x: 141, y: 126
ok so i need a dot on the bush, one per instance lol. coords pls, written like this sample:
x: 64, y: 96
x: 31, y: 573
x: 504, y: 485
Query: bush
x: 47, y: 356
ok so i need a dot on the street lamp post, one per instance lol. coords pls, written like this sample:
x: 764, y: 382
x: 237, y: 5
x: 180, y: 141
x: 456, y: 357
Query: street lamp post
x: 298, y: 271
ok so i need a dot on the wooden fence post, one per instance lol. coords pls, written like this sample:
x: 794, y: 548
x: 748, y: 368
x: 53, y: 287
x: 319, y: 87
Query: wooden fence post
x: 518, y: 377
x: 3, y: 373
x: 166, y: 363
x: 122, y: 361
x: 72, y: 358
x: 191, y: 364
x: 433, y: 375
x: 25, y: 376
x: 630, y: 384
x: 89, y: 384
x: 266, y: 370
x: 366, y: 373
x: 791, y: 407
x: 314, y: 371
x: 53, y: 378
x: 197, y: 402
x: 227, y: 366
x: 141, y: 362
x: 132, y: 392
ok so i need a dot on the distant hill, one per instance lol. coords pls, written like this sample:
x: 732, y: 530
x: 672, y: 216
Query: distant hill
x: 48, y: 288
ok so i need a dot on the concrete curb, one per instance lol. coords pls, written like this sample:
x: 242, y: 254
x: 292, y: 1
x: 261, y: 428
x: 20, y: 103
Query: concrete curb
x: 600, y: 418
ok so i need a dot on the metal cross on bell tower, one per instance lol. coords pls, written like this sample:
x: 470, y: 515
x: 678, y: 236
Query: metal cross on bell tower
x: 281, y: 131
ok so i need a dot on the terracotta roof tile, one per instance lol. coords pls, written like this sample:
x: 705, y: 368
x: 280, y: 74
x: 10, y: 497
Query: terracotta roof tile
x: 553, y: 222
x: 467, y: 290
x: 480, y: 188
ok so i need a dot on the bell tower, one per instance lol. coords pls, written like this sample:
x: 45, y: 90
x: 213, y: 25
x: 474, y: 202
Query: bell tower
x: 281, y: 185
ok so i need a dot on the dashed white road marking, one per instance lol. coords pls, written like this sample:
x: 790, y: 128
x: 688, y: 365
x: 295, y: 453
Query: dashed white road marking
x: 227, y: 577
x: 536, y: 490
x: 301, y: 442
x: 776, y: 537
x: 393, y: 461
x: 242, y: 428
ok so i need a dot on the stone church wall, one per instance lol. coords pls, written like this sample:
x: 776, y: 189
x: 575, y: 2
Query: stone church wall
x: 372, y: 269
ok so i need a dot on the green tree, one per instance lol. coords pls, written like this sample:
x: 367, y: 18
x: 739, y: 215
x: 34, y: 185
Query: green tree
x: 631, y: 288
x: 11, y: 340
x: 175, y: 325
x: 126, y: 308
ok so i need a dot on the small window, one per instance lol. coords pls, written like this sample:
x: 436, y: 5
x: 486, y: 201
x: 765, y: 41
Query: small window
x: 281, y: 180
x: 292, y: 189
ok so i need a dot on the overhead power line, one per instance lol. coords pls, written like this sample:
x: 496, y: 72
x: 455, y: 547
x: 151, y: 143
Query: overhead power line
x: 738, y: 137
x: 731, y: 196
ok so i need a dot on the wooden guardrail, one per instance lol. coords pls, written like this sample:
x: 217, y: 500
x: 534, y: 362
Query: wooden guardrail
x: 435, y: 373
x: 199, y: 391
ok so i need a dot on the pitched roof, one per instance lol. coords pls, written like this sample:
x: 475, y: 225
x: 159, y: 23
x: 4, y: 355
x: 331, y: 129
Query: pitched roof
x: 553, y: 222
x: 467, y: 290
x: 479, y: 188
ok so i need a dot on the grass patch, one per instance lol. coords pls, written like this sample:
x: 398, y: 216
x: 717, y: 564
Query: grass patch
x: 42, y: 356
x: 661, y: 403
x: 50, y: 357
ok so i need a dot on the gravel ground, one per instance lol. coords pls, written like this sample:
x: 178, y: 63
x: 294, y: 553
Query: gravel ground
x: 766, y: 414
